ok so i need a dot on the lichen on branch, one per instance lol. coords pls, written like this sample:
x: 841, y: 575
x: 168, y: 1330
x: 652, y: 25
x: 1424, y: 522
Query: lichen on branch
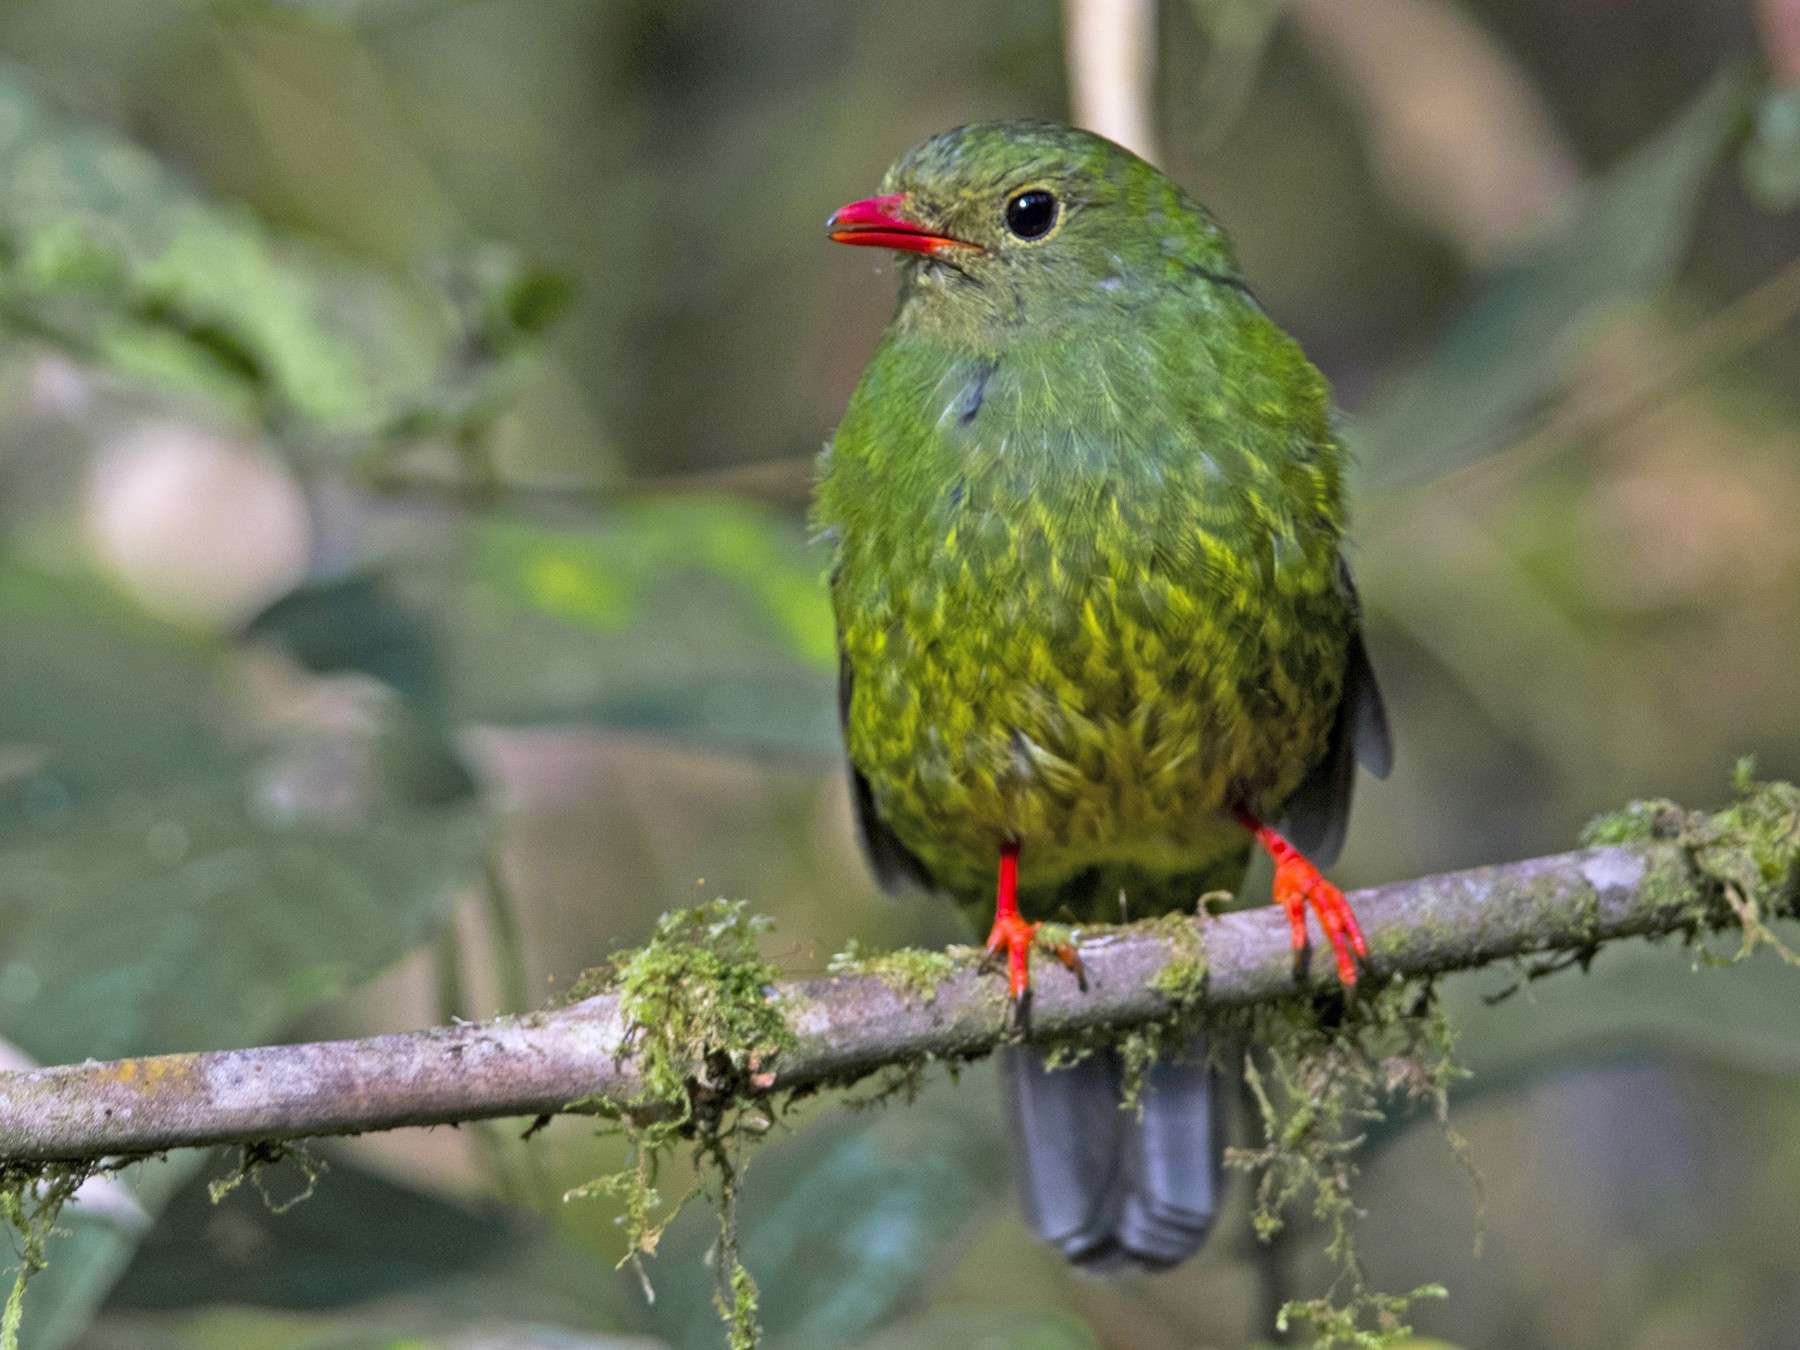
x: 1320, y: 1076
x: 1748, y: 855
x: 703, y: 1020
x: 31, y: 1199
x: 913, y: 973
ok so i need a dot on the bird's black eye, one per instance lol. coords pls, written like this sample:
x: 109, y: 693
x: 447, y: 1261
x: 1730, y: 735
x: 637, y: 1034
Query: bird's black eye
x: 1031, y: 214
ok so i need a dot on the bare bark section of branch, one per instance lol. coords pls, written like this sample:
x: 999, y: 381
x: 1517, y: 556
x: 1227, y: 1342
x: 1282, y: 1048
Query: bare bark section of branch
x: 846, y: 1025
x: 1111, y: 47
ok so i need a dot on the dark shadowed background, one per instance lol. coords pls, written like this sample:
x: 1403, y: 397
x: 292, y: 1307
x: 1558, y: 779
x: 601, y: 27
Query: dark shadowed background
x: 406, y: 413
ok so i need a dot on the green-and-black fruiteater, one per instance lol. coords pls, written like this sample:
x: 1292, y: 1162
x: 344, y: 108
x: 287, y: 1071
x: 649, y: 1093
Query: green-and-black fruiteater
x: 1086, y: 513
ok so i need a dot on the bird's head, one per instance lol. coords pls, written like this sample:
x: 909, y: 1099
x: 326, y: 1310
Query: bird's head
x: 1000, y: 224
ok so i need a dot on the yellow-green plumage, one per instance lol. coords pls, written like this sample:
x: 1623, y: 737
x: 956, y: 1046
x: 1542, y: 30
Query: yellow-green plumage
x: 1086, y: 514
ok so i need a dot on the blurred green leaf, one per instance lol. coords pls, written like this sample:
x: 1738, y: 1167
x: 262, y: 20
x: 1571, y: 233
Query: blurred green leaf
x: 91, y: 1254
x: 1511, y: 346
x: 394, y: 1266
x: 347, y: 13
x: 1635, y: 998
x: 177, y: 873
x: 231, y: 1328
x: 174, y: 876
x: 525, y: 304
x: 703, y: 618
x: 596, y: 579
x: 841, y: 1222
x: 113, y: 258
x: 357, y: 624
x: 1772, y: 154
x: 356, y: 1237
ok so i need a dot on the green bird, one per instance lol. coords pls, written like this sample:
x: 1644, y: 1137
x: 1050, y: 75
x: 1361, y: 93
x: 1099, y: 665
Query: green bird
x: 1086, y: 516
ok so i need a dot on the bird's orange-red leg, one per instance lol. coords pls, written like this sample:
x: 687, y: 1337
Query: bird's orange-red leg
x: 1010, y: 931
x: 1014, y: 936
x: 1297, y: 884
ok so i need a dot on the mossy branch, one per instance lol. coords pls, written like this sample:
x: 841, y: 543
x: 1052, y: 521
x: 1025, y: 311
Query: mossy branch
x: 1656, y: 870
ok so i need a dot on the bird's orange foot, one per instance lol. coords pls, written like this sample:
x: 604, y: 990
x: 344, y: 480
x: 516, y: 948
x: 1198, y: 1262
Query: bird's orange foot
x: 1012, y: 935
x: 1298, y: 884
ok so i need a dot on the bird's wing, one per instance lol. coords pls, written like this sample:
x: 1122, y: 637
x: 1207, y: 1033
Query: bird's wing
x: 1317, y: 815
x: 895, y: 866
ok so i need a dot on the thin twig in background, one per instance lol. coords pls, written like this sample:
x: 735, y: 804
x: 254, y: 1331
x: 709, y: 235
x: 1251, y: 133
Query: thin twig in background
x: 1237, y: 39
x: 1111, y: 46
x: 1585, y: 413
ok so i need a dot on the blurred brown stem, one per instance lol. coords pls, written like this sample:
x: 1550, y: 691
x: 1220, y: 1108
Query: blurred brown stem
x: 491, y: 1145
x: 1455, y: 127
x: 509, y: 944
x: 1111, y: 47
x: 845, y: 1027
x: 1702, y: 348
x: 1779, y: 21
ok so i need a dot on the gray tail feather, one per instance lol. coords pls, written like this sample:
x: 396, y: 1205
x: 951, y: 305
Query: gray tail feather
x: 1110, y: 1188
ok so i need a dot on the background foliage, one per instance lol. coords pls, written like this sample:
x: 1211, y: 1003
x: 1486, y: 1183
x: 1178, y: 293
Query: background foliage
x: 408, y: 407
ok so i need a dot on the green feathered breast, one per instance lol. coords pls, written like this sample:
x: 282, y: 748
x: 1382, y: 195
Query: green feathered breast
x: 1086, y: 516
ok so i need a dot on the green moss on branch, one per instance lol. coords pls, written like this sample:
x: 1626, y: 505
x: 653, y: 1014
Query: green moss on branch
x: 32, y: 1196
x: 704, y: 1024
x: 911, y: 972
x: 1746, y: 856
x: 1321, y: 1075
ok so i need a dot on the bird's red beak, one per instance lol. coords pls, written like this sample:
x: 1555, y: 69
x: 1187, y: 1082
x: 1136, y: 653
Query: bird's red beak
x: 874, y: 222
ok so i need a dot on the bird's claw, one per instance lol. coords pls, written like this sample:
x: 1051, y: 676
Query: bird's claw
x: 1012, y: 935
x: 1298, y: 884
x: 1071, y: 959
